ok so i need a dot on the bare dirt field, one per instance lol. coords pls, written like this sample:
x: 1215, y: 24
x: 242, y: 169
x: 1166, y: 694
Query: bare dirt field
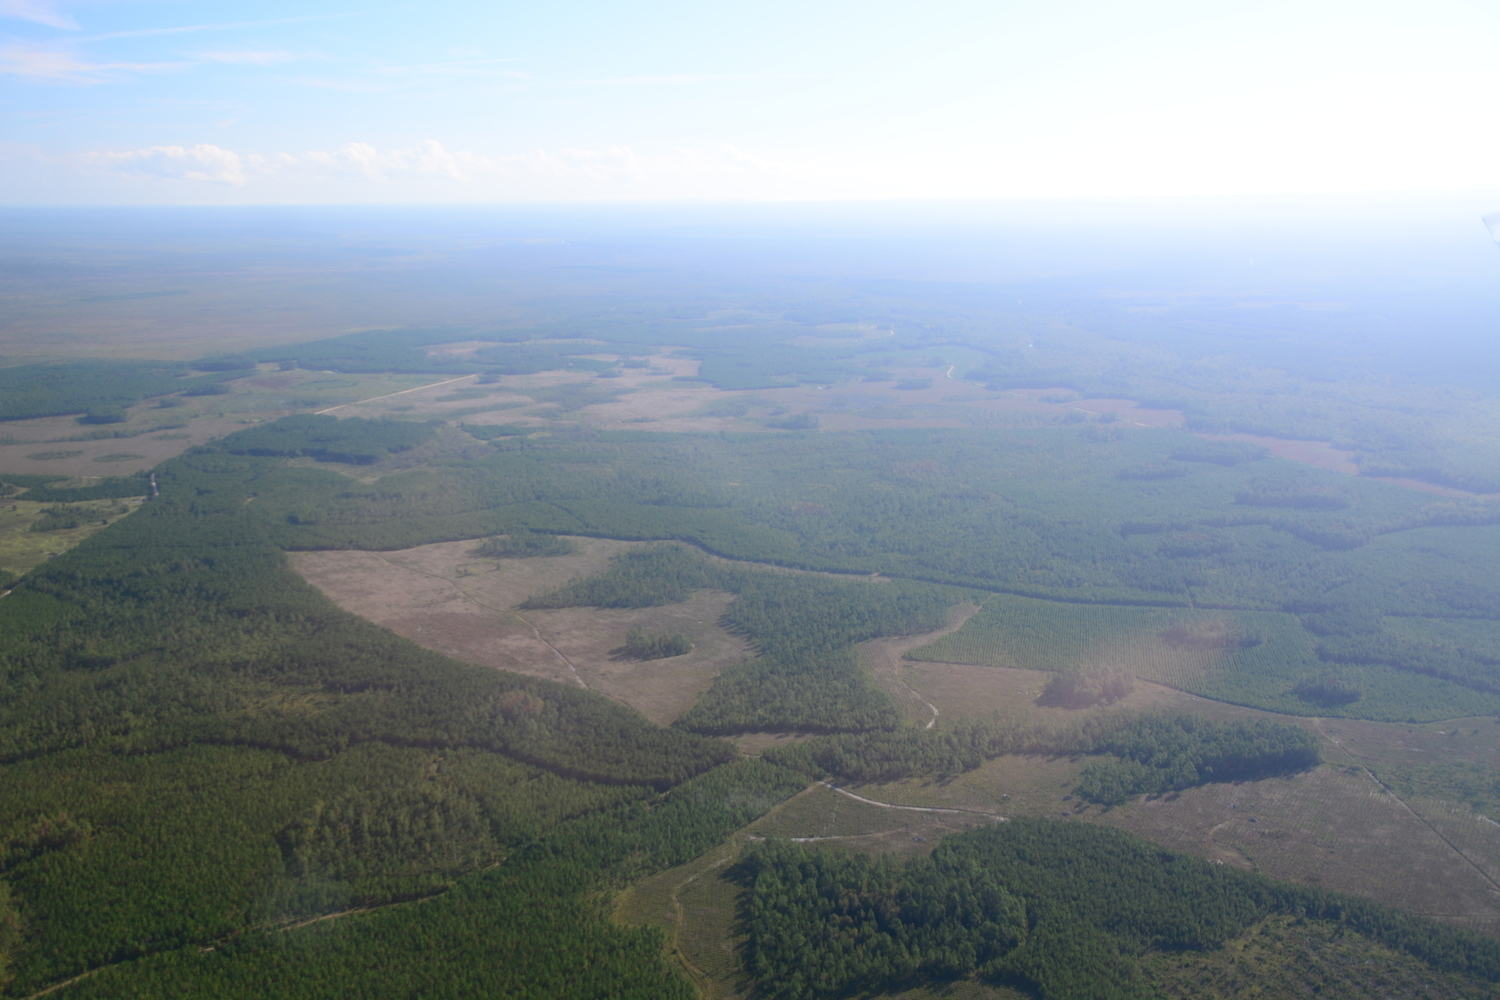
x: 466, y: 607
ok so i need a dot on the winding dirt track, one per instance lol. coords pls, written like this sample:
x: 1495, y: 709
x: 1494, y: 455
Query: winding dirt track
x: 884, y: 659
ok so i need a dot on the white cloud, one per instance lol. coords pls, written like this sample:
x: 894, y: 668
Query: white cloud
x: 202, y: 162
x: 39, y: 11
x: 614, y: 171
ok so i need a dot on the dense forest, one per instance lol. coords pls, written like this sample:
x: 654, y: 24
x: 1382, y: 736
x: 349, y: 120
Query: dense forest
x: 1063, y: 910
x: 198, y: 743
x: 100, y: 391
x: 1315, y: 585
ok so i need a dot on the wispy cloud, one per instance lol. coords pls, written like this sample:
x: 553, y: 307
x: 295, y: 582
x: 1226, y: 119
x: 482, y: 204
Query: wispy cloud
x: 431, y: 160
x: 245, y: 58
x: 347, y: 86
x: 39, y: 11
x: 187, y: 28
x: 46, y: 62
x: 458, y: 67
x: 666, y: 80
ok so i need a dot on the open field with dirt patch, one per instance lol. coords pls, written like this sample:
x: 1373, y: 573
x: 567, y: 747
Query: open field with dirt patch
x: 1401, y: 813
x: 443, y: 597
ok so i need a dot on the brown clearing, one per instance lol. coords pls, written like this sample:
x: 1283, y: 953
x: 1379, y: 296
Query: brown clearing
x: 1335, y: 826
x: 443, y: 598
x: 883, y: 658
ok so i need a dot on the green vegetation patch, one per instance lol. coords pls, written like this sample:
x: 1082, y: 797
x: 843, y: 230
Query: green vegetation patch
x: 100, y: 390
x: 328, y: 439
x: 1145, y: 754
x: 1259, y: 658
x: 524, y: 545
x: 1067, y: 911
x: 1285, y: 957
x: 49, y: 456
x: 110, y: 488
x: 643, y: 645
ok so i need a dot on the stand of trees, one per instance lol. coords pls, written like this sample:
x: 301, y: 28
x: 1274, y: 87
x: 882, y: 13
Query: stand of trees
x: 329, y: 439
x: 1141, y: 755
x: 1062, y: 910
x: 829, y: 924
x: 643, y: 645
x: 535, y: 927
x: 524, y: 545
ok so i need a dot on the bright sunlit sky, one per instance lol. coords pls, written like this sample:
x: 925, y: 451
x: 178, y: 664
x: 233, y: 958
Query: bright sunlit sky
x: 179, y: 101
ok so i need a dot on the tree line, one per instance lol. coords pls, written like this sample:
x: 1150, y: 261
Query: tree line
x: 1062, y: 910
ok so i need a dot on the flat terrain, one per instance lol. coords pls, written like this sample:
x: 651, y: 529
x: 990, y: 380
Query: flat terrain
x: 1391, y: 798
x: 443, y: 597
x: 21, y: 548
x: 152, y: 433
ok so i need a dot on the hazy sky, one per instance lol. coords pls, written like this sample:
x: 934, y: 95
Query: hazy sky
x: 183, y: 101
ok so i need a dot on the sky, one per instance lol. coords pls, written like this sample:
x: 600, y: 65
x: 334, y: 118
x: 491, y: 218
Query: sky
x: 343, y: 101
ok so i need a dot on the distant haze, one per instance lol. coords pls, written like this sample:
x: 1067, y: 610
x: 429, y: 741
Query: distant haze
x: 1400, y: 292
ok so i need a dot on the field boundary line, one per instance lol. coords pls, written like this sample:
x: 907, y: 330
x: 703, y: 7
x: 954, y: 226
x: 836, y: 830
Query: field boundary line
x: 430, y: 385
x: 1418, y: 816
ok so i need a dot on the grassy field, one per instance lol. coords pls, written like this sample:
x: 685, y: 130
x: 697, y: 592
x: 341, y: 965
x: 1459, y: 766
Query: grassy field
x: 1403, y: 813
x: 1260, y: 658
x: 21, y: 548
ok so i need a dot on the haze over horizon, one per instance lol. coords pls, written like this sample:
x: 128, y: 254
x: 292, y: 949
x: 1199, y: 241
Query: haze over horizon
x: 125, y: 102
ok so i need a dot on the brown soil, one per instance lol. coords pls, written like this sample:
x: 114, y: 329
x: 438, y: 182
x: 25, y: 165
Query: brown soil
x: 446, y: 599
